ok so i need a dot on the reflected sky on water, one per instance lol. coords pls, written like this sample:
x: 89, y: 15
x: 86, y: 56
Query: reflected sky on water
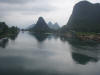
x: 37, y: 54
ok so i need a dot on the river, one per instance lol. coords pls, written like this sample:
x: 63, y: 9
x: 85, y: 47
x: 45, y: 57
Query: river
x: 37, y: 54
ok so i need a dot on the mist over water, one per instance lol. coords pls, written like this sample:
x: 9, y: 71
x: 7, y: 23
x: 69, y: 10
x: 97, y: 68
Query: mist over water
x: 31, y: 54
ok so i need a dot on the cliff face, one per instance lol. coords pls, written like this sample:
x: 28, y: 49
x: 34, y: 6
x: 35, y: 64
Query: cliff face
x: 85, y: 18
x: 41, y: 26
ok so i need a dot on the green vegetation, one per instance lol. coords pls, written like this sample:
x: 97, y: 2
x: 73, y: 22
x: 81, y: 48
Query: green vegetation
x: 85, y: 18
x: 6, y: 31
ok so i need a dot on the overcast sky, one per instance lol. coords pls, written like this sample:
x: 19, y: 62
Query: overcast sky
x: 23, y: 13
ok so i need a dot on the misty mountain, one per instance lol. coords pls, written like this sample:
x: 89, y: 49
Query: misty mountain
x: 50, y: 25
x: 56, y: 26
x: 31, y: 26
x: 85, y: 18
x: 41, y: 26
x: 53, y: 26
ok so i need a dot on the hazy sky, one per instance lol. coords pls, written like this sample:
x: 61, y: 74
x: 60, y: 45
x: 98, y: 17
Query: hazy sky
x: 23, y: 13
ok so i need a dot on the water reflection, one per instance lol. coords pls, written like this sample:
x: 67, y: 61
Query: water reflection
x: 54, y: 56
x: 40, y: 37
x: 83, y: 51
x: 83, y: 59
x: 4, y: 42
x: 13, y: 37
x: 77, y: 42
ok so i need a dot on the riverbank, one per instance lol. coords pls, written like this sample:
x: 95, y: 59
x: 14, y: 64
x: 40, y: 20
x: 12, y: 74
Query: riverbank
x: 82, y: 35
x: 88, y: 36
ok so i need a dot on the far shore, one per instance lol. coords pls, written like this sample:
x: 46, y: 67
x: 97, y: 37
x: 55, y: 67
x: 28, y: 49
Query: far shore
x: 83, y: 35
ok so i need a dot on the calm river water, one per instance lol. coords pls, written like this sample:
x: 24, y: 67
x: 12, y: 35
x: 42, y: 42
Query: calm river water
x: 38, y: 54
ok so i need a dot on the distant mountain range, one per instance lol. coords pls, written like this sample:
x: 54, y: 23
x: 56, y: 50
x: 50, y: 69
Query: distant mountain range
x: 85, y: 18
x: 41, y: 26
x: 54, y: 26
x: 31, y: 26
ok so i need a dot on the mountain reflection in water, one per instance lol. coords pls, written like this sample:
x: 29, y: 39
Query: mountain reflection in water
x: 44, y: 54
x: 83, y: 59
x: 40, y: 37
